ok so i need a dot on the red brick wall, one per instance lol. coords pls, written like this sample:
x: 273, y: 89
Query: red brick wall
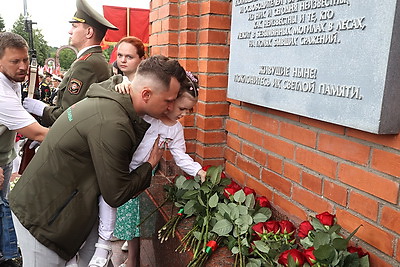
x: 303, y: 166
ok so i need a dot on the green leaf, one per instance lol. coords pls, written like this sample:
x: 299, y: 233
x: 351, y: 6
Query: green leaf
x: 321, y: 239
x: 218, y: 216
x: 306, y: 242
x: 215, y: 174
x: 223, y: 227
x: 213, y: 201
x: 291, y: 261
x: 245, y: 242
x: 260, y: 217
x: 353, y: 233
x: 324, y: 252
x: 234, y: 212
x: 189, y: 208
x: 250, y: 202
x: 318, y: 226
x: 190, y: 184
x: 340, y: 243
x: 364, y: 261
x: 261, y: 246
x: 200, y: 199
x: 247, y: 219
x: 179, y: 181
x: 235, y: 250
x: 197, y: 235
x: 239, y: 221
x: 239, y: 196
x: 204, y: 188
x: 334, y: 229
x: 352, y: 260
x: 243, y: 210
x: 253, y: 262
x: 266, y: 211
x: 190, y: 194
x: 223, y: 208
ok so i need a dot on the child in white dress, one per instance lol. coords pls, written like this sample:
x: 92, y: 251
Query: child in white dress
x: 171, y: 135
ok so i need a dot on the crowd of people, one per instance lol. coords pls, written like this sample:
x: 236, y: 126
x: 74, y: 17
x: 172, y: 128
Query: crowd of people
x: 101, y: 135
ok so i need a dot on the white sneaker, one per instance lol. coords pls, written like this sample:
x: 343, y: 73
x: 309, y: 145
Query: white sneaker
x: 125, y: 246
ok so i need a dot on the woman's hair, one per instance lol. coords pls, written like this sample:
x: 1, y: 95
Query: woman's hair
x: 136, y: 42
x: 190, y: 85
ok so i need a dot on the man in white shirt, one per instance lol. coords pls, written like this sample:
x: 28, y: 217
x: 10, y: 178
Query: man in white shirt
x: 14, y: 63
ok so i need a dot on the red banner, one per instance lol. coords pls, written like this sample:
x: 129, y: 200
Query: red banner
x: 137, y: 24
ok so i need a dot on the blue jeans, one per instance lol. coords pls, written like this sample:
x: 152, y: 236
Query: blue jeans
x: 8, y: 238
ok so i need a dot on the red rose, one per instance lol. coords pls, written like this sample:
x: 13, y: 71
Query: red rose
x: 205, y: 168
x: 304, y: 228
x: 263, y: 202
x: 309, y: 255
x: 357, y: 250
x: 286, y: 227
x: 326, y: 218
x: 188, y: 177
x: 248, y: 191
x: 223, y: 175
x: 234, y: 185
x: 229, y: 192
x: 297, y: 256
x: 258, y: 228
x: 272, y: 226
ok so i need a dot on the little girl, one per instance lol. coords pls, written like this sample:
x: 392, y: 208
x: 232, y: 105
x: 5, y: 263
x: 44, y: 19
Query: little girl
x: 171, y: 135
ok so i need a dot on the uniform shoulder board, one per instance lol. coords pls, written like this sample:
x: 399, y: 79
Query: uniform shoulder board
x: 84, y: 57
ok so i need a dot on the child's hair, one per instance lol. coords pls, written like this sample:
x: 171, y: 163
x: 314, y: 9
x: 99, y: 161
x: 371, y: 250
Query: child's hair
x: 190, y: 85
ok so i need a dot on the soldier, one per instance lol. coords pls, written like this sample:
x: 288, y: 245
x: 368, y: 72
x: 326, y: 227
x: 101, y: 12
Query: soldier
x: 44, y: 88
x: 87, y: 31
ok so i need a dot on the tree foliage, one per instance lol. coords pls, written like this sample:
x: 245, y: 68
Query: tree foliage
x: 107, y: 52
x: 2, y: 24
x: 66, y: 57
x: 39, y: 43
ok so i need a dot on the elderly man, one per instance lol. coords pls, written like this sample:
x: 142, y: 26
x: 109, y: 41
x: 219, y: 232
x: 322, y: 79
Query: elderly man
x: 87, y: 153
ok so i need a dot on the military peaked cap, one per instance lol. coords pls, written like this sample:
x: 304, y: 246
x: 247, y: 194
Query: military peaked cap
x: 86, y: 14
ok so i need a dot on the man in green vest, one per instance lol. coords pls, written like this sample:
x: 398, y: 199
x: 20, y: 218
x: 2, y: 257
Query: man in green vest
x: 88, y: 29
x: 87, y: 153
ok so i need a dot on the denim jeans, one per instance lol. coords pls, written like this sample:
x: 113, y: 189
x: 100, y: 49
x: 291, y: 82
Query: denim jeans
x: 8, y: 239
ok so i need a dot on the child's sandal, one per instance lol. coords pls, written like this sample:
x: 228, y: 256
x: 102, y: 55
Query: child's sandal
x: 99, y: 261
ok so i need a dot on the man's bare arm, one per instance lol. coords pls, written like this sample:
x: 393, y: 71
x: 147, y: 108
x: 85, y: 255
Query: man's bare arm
x: 34, y: 131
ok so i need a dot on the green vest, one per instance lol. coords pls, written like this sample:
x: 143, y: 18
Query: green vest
x: 7, y: 151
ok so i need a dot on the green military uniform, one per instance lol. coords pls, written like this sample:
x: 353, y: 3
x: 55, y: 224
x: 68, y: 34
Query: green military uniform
x: 86, y: 153
x: 91, y: 67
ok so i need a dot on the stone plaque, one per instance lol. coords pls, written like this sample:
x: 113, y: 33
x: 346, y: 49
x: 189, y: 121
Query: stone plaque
x: 332, y: 60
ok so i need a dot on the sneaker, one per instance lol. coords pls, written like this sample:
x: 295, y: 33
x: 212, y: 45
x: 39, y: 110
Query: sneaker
x: 125, y: 246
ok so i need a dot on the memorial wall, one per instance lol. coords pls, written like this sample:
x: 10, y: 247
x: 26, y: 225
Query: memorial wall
x: 331, y: 60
